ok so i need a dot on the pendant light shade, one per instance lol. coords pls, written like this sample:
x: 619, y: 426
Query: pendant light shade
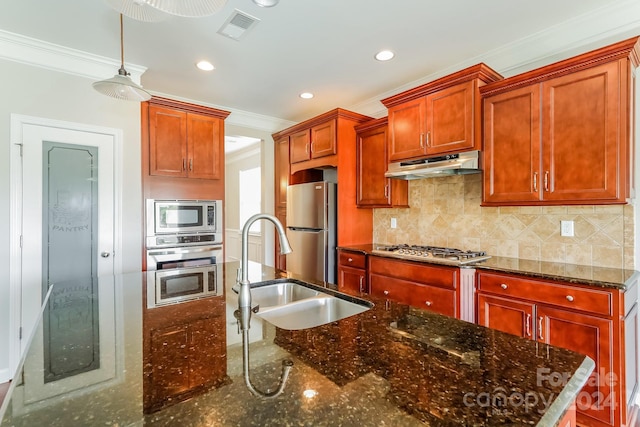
x: 188, y: 8
x: 266, y: 3
x: 138, y: 10
x: 121, y: 86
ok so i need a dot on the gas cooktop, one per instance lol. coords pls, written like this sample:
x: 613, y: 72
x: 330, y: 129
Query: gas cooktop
x: 434, y: 254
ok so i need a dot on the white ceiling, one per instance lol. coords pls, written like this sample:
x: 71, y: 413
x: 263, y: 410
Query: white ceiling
x: 326, y: 47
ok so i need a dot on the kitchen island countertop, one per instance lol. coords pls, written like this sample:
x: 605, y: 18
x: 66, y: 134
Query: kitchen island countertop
x: 391, y: 365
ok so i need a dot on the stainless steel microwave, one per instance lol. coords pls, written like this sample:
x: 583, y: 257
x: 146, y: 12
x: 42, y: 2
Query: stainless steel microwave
x: 183, y: 216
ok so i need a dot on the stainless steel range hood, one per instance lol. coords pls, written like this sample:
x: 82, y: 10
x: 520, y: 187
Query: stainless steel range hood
x: 448, y: 164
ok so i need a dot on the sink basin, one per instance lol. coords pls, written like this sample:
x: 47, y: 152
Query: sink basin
x: 311, y: 312
x: 292, y: 305
x: 280, y: 293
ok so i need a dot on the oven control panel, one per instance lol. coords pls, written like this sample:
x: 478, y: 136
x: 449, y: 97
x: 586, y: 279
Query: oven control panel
x: 177, y: 240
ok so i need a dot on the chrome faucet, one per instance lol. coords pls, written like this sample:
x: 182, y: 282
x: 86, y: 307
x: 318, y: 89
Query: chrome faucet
x: 243, y: 314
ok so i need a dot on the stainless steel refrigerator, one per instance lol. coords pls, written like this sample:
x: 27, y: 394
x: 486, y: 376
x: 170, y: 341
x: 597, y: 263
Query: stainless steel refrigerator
x: 311, y: 230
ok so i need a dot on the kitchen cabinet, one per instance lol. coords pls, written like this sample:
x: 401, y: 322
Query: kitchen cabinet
x: 183, y: 144
x: 560, y: 134
x: 422, y: 285
x: 182, y: 150
x: 332, y: 153
x: 587, y: 320
x: 184, y: 351
x: 439, y: 117
x: 352, y: 272
x: 373, y: 188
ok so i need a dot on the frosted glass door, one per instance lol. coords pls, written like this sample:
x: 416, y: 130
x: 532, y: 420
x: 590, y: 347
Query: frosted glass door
x: 69, y: 254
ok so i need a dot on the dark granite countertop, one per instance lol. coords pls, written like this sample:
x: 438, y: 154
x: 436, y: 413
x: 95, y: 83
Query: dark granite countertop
x: 391, y: 365
x: 613, y: 278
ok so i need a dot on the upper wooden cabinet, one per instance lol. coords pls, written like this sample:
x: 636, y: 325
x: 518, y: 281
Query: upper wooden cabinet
x: 560, y: 134
x: 373, y: 188
x: 318, y: 141
x: 185, y: 140
x: 442, y: 116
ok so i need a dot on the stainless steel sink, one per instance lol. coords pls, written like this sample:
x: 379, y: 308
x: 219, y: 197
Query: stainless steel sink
x: 280, y: 293
x: 293, y: 306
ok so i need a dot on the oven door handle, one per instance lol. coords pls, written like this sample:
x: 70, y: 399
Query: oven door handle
x: 163, y: 255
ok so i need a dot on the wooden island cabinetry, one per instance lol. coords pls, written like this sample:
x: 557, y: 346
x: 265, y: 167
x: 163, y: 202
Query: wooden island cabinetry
x: 561, y: 134
x: 598, y: 322
x: 443, y: 116
x: 373, y: 188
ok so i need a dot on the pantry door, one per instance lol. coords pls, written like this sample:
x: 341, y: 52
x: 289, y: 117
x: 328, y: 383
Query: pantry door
x: 65, y: 212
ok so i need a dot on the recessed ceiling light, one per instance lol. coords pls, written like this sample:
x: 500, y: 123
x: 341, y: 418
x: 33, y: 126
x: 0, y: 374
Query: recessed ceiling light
x: 384, y: 55
x: 205, y: 65
x: 266, y: 3
x: 306, y: 95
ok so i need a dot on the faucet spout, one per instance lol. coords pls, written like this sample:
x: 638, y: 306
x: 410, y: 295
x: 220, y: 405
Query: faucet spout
x: 244, y: 296
x: 243, y: 314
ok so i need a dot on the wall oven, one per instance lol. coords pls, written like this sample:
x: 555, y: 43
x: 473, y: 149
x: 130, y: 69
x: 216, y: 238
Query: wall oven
x: 183, y: 216
x: 183, y: 284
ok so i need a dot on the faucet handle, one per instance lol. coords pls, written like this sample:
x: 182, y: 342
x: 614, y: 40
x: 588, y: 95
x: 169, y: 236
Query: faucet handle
x: 239, y: 275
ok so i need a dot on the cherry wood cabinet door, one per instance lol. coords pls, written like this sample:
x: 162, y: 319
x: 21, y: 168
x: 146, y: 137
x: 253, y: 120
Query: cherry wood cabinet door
x: 351, y: 280
x: 169, y: 362
x: 323, y: 139
x: 511, y: 156
x: 591, y: 336
x: 371, y: 163
x: 299, y: 146
x: 207, y: 367
x: 406, y: 130
x: 450, y: 119
x: 281, y: 166
x: 167, y: 142
x: 204, y: 147
x: 583, y: 152
x: 506, y: 315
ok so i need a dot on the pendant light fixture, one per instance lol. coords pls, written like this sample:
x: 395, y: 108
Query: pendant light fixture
x: 188, y: 8
x: 266, y: 3
x: 138, y: 10
x: 121, y: 86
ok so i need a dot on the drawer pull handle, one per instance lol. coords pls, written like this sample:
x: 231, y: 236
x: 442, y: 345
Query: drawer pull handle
x: 570, y: 298
x: 361, y: 283
x: 350, y: 260
x: 528, y: 325
x: 504, y: 286
x: 428, y: 303
x: 386, y: 292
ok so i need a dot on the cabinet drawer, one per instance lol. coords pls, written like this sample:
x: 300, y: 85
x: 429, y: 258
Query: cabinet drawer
x: 352, y: 259
x: 588, y: 300
x: 426, y: 297
x: 423, y: 273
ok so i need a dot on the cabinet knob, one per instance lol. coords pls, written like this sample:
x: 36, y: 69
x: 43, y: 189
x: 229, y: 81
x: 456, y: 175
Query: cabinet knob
x: 504, y: 286
x: 350, y: 260
x: 386, y: 292
x: 570, y: 298
x: 428, y: 303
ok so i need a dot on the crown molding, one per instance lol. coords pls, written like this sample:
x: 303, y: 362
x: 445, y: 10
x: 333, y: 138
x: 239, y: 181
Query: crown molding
x: 38, y: 53
x: 614, y: 22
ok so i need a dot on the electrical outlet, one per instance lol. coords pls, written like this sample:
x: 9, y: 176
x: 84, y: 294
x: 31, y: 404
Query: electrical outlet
x: 566, y: 228
x: 394, y: 223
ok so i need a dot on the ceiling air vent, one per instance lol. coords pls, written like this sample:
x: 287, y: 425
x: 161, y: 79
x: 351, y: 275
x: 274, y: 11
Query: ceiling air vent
x: 238, y: 25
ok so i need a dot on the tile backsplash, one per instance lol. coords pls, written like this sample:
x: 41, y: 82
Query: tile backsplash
x: 446, y: 211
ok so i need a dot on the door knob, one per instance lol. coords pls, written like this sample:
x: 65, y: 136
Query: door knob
x: 105, y: 254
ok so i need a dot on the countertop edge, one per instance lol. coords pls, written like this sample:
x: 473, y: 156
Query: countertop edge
x: 568, y: 394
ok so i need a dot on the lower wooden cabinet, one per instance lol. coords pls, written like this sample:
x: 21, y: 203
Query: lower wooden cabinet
x: 586, y: 320
x: 352, y: 272
x: 427, y: 286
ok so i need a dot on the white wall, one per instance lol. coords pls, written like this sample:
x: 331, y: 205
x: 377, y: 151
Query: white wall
x: 42, y: 93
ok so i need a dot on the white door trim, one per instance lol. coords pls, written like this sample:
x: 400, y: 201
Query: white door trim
x: 18, y: 121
